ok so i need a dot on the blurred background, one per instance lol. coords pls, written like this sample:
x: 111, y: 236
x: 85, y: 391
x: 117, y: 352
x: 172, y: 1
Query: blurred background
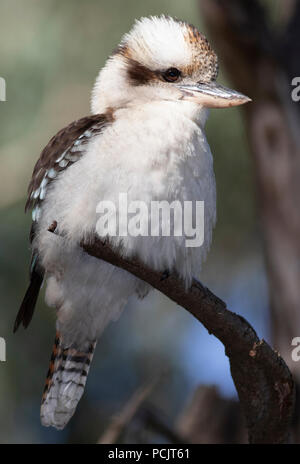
x: 51, y: 53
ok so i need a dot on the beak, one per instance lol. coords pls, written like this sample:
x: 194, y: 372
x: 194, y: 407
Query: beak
x: 212, y: 95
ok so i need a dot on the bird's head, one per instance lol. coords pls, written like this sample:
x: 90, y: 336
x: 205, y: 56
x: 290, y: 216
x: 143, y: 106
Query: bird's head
x: 162, y: 59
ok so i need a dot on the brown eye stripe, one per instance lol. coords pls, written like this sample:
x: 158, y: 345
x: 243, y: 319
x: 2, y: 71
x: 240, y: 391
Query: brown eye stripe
x: 139, y: 74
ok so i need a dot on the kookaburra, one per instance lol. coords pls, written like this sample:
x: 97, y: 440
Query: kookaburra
x: 145, y: 138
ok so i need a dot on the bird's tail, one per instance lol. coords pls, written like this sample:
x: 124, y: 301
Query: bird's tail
x: 66, y: 378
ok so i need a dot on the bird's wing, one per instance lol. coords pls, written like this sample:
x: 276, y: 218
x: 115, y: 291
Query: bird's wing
x: 63, y: 150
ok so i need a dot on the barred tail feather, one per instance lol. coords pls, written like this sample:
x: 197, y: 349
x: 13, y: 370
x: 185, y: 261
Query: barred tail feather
x: 66, y: 378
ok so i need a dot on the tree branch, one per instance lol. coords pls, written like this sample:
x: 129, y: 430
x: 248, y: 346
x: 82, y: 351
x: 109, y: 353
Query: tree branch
x: 264, y: 383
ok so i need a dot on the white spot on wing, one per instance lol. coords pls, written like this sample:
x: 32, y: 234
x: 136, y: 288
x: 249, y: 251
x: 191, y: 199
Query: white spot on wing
x: 72, y: 158
x: 44, y: 183
x: 61, y: 157
x: 36, y: 193
x: 52, y: 173
x: 63, y: 163
x: 36, y: 212
x: 42, y: 193
x: 74, y: 149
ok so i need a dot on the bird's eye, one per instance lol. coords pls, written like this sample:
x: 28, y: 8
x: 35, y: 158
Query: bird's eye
x: 171, y: 75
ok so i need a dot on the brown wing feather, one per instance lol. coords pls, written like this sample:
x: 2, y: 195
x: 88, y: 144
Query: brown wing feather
x: 63, y: 142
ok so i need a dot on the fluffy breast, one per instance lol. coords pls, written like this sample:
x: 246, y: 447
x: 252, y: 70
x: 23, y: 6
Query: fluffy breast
x: 148, y: 158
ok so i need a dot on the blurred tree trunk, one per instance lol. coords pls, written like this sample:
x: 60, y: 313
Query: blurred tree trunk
x: 261, y: 60
x: 210, y: 418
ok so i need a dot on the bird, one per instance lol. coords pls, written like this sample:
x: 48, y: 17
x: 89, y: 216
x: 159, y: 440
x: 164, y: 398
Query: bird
x: 145, y: 137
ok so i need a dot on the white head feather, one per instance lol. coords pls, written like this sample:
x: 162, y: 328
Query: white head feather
x: 159, y: 42
x: 153, y: 45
